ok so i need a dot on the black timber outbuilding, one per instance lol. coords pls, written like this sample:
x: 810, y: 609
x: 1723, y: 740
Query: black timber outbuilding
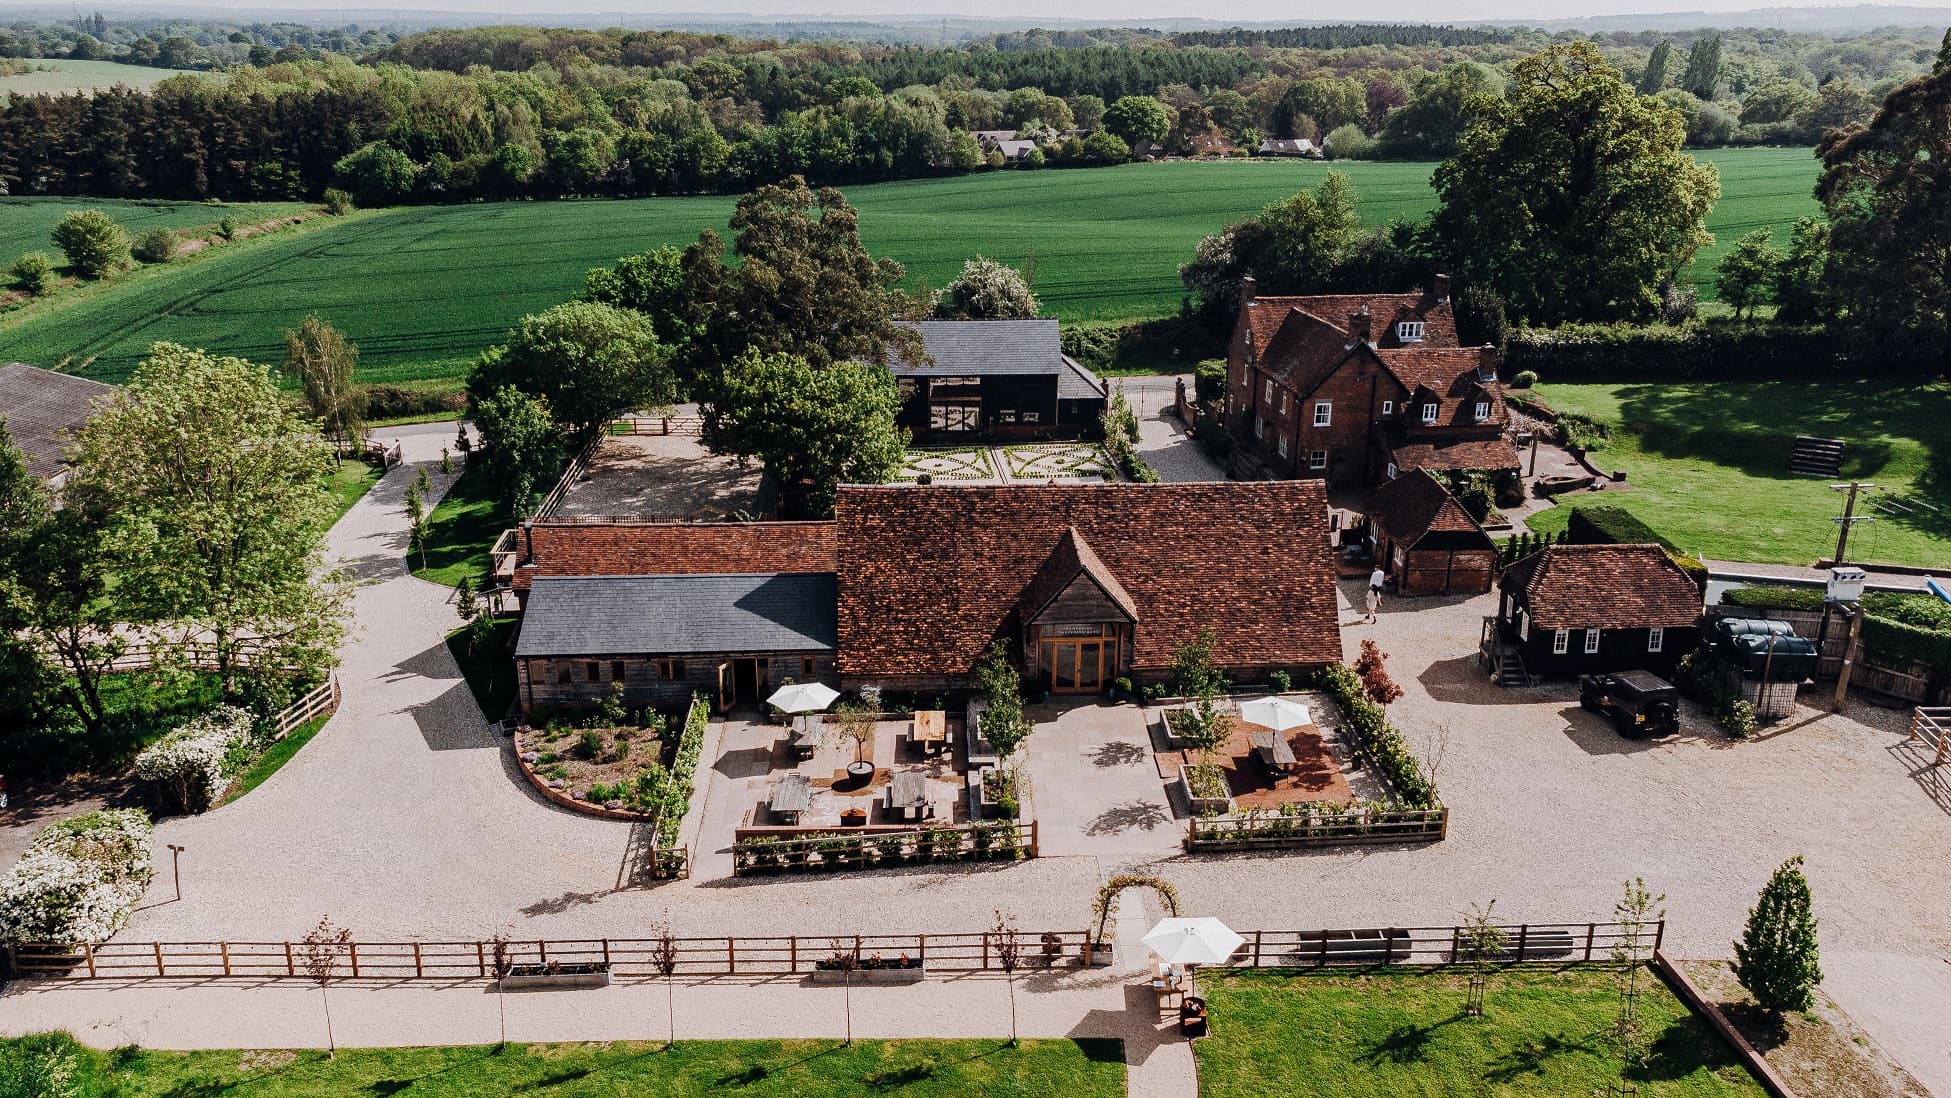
x: 995, y: 379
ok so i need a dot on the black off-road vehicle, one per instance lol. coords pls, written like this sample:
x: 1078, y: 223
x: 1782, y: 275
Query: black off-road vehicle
x: 1640, y: 703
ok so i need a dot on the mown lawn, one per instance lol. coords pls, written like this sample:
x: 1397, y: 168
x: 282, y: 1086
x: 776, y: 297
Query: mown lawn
x: 802, y: 1069
x: 1706, y: 465
x: 1396, y: 1034
x: 461, y: 530
x: 424, y: 290
x: 275, y: 757
x: 350, y: 481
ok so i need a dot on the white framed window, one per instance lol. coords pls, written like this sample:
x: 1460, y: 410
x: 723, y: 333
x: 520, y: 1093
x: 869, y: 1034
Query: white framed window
x: 1483, y: 410
x: 1429, y: 412
x: 1270, y: 390
x: 1561, y: 641
x: 1591, y: 641
x: 1655, y: 639
x: 1324, y: 413
x: 1006, y: 416
x: 1318, y: 460
x: 1033, y: 417
x: 1388, y: 407
x: 1523, y: 626
x: 1259, y: 427
x: 1392, y: 470
x: 1283, y: 403
x: 1409, y: 331
x: 1283, y: 446
x: 952, y: 417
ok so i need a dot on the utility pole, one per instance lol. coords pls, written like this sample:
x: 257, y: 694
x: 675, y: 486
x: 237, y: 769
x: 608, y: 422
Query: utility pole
x: 1850, y: 517
x: 1849, y: 655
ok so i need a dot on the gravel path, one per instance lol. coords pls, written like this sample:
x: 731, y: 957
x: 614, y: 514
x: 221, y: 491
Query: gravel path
x: 1162, y: 440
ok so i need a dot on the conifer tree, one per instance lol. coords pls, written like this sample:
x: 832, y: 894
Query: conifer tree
x: 1776, y: 958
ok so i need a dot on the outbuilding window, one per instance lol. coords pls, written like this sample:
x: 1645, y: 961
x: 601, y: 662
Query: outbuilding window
x: 616, y: 670
x: 1392, y: 470
x: 1655, y: 639
x: 593, y: 671
x: 1033, y: 417
x: 806, y: 666
x: 1388, y: 407
x: 562, y: 673
x: 1318, y: 460
x: 1561, y: 642
x: 1591, y: 641
x: 1429, y: 412
x: 1324, y: 413
x: 670, y: 670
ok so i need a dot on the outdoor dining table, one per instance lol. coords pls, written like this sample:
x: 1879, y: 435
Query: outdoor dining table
x: 792, y: 796
x: 1274, y: 750
x: 907, y: 793
x: 931, y: 729
x: 807, y: 732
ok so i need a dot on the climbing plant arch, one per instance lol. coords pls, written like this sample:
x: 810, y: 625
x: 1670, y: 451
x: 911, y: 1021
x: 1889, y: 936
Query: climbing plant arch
x: 1107, y: 899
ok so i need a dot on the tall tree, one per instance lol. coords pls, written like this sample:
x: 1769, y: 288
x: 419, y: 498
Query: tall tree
x: 1776, y: 958
x: 1293, y: 246
x: 1703, y: 72
x: 986, y: 290
x: 590, y: 361
x: 1888, y: 192
x: 217, y: 488
x: 1138, y: 118
x: 521, y: 446
x: 804, y: 284
x: 812, y: 429
x: 654, y: 284
x: 1802, y: 293
x: 1570, y: 196
x: 324, y: 361
x: 1749, y: 272
x: 1430, y: 123
x: 1653, y: 80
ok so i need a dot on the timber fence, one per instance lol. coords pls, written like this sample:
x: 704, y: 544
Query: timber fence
x: 570, y: 475
x: 1439, y: 946
x: 658, y: 425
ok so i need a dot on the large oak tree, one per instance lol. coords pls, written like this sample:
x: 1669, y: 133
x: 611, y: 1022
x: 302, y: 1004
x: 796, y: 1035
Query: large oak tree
x: 813, y: 428
x: 1569, y: 195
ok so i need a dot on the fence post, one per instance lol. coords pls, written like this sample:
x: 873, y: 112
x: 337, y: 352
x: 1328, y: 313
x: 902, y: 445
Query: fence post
x: 1523, y: 932
x: 606, y: 951
x: 731, y: 956
x: 290, y: 968
x: 419, y: 971
x: 1321, y: 960
x: 1659, y: 935
x: 481, y: 958
x: 352, y: 950
x: 159, y: 957
x: 792, y: 954
x: 543, y: 948
x: 87, y: 949
x: 1591, y: 929
x: 223, y: 950
x: 985, y: 951
x: 1256, y: 948
x: 921, y: 949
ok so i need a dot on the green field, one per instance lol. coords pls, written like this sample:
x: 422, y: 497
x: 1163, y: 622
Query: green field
x: 803, y: 1069
x: 26, y: 224
x: 51, y: 76
x: 1706, y: 465
x: 423, y: 290
x: 1395, y: 1034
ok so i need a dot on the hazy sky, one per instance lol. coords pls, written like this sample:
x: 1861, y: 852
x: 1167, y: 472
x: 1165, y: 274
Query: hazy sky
x: 1123, y: 11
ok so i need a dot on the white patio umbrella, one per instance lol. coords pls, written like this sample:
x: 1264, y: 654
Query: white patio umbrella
x: 1188, y: 942
x: 1278, y: 714
x: 803, y: 697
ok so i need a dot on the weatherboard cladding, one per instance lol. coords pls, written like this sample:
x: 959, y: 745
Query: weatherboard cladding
x: 678, y: 615
x: 986, y: 348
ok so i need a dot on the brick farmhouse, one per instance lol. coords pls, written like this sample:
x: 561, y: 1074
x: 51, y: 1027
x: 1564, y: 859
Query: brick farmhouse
x: 907, y: 586
x: 1356, y: 388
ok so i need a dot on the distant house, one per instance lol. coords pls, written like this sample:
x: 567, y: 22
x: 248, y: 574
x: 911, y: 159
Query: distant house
x: 1427, y: 540
x: 1583, y: 609
x: 1358, y: 388
x: 44, y: 412
x: 1213, y: 144
x: 907, y: 587
x: 995, y: 378
x: 1146, y: 149
x: 729, y: 610
x: 1004, y: 142
x: 1288, y: 146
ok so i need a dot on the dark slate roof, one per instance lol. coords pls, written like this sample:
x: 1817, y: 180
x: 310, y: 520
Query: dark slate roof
x: 44, y: 411
x: 977, y: 348
x: 678, y: 615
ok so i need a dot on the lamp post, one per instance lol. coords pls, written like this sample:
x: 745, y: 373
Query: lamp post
x: 176, y: 867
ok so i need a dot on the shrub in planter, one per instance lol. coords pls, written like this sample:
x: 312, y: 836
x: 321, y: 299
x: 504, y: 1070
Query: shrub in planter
x: 195, y: 761
x: 79, y: 881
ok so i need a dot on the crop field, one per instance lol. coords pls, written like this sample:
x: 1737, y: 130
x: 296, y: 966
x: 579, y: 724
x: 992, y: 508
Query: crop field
x: 51, y: 76
x: 26, y: 223
x: 423, y: 290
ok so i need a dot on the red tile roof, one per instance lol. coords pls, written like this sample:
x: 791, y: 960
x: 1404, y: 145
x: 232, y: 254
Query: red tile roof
x: 675, y: 548
x: 1071, y: 558
x: 1455, y: 375
x: 1605, y: 587
x: 1460, y: 455
x: 1415, y: 504
x: 1268, y: 313
x: 928, y: 577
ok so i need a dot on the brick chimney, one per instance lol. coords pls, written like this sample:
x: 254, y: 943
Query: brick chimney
x: 1247, y: 287
x: 1440, y: 287
x: 1359, y: 327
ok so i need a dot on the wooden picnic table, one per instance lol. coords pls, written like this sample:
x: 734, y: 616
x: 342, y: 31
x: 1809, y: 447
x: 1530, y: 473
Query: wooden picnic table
x: 907, y: 792
x: 1274, y: 750
x: 931, y: 729
x: 792, y: 796
x: 807, y: 732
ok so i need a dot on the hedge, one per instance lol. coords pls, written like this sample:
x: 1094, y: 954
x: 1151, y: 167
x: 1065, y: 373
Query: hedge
x: 1382, y: 739
x: 675, y: 798
x: 1607, y: 525
x: 1703, y: 349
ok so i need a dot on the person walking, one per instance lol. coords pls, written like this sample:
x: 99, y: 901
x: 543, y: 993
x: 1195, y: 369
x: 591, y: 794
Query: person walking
x: 1374, y: 601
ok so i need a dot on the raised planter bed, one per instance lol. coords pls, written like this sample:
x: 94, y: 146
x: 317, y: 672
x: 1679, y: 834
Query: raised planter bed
x: 590, y: 974
x: 1203, y: 806
x: 913, y: 974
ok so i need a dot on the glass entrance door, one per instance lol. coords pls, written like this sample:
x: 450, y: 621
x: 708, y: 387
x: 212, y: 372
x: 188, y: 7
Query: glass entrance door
x: 1078, y: 666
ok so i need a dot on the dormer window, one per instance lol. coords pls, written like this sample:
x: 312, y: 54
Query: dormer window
x: 1429, y: 412
x: 1483, y: 410
x: 1409, y: 331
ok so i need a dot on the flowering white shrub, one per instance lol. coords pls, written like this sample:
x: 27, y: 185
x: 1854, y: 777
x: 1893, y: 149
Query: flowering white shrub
x: 196, y: 760
x: 80, y: 880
